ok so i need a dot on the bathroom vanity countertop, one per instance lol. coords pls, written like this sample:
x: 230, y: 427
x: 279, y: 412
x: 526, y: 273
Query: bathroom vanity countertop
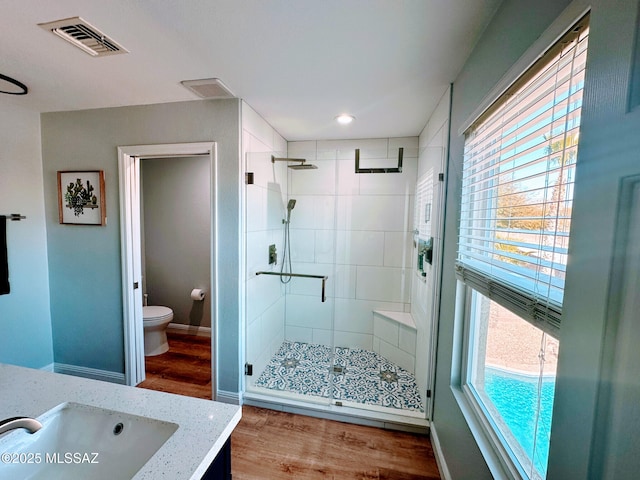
x: 204, y: 426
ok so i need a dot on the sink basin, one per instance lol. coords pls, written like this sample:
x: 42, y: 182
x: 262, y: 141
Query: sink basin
x: 71, y: 436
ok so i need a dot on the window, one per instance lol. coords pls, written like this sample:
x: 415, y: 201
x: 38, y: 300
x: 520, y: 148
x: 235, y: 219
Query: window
x: 512, y: 379
x: 517, y: 189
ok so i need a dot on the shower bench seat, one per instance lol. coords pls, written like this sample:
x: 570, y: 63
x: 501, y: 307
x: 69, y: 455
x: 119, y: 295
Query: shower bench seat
x: 395, y: 336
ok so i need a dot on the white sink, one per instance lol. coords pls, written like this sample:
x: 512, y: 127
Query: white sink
x: 72, y: 434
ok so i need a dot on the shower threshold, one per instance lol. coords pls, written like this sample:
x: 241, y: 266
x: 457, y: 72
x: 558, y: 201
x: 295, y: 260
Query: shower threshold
x: 346, y: 377
x: 357, y: 414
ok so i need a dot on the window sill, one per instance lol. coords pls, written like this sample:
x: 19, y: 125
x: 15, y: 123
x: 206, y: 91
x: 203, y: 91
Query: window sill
x: 485, y: 443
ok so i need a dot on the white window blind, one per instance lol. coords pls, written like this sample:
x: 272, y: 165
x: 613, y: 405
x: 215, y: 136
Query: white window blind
x: 517, y: 186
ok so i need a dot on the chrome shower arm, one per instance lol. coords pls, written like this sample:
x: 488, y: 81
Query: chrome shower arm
x: 303, y: 165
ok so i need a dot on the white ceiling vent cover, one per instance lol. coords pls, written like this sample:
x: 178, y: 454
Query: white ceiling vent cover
x: 84, y: 36
x: 208, y: 88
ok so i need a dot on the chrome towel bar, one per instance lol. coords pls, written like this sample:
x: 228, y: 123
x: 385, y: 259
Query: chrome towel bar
x: 300, y: 275
x: 16, y: 217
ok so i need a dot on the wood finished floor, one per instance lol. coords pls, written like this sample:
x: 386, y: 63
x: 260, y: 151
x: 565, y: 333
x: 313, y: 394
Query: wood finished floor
x: 268, y: 444
x: 273, y: 445
x: 185, y: 369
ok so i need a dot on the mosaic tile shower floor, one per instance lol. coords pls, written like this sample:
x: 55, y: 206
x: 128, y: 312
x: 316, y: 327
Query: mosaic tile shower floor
x: 358, y: 375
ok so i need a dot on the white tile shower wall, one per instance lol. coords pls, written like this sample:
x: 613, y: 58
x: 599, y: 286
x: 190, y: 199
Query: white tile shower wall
x: 353, y: 340
x: 309, y: 311
x: 267, y: 335
x: 356, y: 315
x: 383, y: 283
x: 361, y: 237
x: 360, y: 247
x: 320, y: 181
x: 395, y: 341
x: 387, y: 213
x: 308, y: 319
x: 397, y: 356
x: 265, y: 206
x: 398, y: 247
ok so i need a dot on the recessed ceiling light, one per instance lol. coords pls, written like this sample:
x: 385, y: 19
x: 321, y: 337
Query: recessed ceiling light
x: 345, y: 119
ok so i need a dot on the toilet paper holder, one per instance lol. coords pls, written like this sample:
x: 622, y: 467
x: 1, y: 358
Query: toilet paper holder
x: 197, y: 294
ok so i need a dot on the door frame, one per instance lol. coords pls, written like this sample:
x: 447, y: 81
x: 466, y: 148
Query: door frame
x: 131, y: 256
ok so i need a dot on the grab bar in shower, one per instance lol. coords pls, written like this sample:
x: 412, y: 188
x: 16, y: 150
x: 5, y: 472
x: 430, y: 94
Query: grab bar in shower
x: 300, y: 275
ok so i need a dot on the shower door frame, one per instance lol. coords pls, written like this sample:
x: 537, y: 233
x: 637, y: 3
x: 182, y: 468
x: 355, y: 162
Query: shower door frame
x: 257, y: 395
x: 328, y: 407
x: 129, y: 187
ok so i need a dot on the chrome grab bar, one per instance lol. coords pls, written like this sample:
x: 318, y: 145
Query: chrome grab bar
x: 300, y: 275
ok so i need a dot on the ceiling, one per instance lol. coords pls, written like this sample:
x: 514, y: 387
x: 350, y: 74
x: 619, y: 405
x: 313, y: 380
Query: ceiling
x: 298, y: 63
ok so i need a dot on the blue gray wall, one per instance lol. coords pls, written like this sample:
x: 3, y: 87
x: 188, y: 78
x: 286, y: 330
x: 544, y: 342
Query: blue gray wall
x: 84, y: 262
x: 608, y: 153
x: 25, y: 321
x: 512, y: 31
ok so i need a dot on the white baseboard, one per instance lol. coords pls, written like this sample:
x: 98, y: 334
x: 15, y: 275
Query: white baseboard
x: 437, y: 450
x: 189, y: 329
x: 47, y: 368
x: 228, y: 397
x: 86, y: 372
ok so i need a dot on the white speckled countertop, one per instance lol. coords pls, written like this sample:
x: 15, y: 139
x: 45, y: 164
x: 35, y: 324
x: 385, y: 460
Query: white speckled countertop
x: 204, y: 426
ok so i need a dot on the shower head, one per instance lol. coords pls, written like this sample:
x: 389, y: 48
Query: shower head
x: 302, y: 166
x: 290, y: 205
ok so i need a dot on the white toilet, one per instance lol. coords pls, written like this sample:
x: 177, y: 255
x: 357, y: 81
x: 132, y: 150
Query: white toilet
x: 155, y: 321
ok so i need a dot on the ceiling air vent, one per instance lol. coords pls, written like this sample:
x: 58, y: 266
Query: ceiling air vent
x: 84, y: 36
x: 208, y: 88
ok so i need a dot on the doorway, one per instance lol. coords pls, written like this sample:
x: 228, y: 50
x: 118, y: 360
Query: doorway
x: 129, y: 162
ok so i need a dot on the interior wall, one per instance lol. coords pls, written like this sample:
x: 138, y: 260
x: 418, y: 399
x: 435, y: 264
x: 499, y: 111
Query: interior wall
x: 514, y: 28
x: 84, y: 261
x: 596, y: 323
x: 264, y: 207
x: 596, y: 393
x: 362, y: 224
x: 24, y: 313
x: 176, y: 201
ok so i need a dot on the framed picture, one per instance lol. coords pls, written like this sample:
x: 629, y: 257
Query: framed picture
x: 81, y: 197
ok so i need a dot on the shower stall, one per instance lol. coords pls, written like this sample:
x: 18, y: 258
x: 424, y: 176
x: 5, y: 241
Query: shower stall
x: 330, y: 265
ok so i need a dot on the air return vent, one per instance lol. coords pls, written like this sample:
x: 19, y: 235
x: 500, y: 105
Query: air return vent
x: 84, y: 36
x: 208, y: 88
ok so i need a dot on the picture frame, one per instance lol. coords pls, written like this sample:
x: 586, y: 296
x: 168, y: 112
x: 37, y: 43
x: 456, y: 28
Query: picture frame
x: 81, y: 197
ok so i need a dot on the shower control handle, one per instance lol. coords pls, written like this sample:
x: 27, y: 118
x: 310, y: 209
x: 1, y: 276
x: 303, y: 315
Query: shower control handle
x: 273, y: 256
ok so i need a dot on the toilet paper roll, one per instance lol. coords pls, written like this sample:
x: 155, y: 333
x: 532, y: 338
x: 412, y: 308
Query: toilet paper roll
x: 197, y: 294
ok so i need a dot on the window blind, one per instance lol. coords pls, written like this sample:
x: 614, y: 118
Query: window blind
x: 517, y: 186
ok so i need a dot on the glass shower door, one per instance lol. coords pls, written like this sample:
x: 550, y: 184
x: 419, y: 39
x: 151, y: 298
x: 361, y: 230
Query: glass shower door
x: 374, y: 336
x: 288, y: 309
